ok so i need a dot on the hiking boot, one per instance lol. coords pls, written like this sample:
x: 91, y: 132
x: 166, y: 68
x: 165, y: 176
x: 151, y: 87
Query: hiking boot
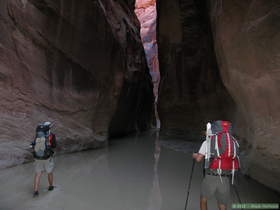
x: 50, y: 188
x: 35, y: 194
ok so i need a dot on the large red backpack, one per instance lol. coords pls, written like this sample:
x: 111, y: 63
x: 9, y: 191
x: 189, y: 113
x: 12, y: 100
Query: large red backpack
x: 223, y: 149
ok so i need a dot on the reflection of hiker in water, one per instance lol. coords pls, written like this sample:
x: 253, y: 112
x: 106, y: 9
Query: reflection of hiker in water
x: 43, y: 146
x: 220, y: 151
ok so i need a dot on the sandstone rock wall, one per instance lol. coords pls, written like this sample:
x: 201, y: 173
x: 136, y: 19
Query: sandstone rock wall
x: 191, y: 91
x: 247, y: 43
x: 146, y: 12
x: 78, y: 64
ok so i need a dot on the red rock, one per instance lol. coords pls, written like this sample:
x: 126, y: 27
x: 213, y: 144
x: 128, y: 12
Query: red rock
x: 72, y: 63
x: 247, y: 37
x: 146, y: 11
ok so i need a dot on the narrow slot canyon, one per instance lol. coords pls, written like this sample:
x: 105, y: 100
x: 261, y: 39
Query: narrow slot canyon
x: 146, y: 12
x: 129, y: 86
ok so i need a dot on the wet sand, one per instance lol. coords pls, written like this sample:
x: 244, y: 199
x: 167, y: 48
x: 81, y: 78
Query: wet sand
x: 135, y: 173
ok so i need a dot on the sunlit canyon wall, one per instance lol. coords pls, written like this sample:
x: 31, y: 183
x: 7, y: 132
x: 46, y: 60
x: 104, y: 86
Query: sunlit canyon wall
x: 146, y: 11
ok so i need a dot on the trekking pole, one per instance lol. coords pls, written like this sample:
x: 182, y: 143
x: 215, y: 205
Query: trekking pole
x: 189, y: 184
x: 237, y: 194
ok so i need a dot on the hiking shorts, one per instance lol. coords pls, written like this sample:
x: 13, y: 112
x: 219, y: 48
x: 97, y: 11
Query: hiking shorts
x: 212, y: 185
x: 44, y: 165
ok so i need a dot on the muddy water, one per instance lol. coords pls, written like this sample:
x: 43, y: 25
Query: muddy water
x: 144, y: 172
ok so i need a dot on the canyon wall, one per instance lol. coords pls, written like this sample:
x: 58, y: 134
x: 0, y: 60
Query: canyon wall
x: 191, y: 91
x: 80, y: 65
x: 247, y: 43
x: 146, y: 11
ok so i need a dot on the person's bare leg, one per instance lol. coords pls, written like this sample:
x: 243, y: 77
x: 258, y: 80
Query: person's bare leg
x: 50, y: 179
x: 203, y: 203
x: 222, y: 207
x: 37, y: 181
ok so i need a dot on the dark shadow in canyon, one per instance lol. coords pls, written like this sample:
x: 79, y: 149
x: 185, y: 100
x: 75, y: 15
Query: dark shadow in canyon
x: 191, y: 90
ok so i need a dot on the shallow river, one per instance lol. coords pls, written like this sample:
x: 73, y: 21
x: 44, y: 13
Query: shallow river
x: 145, y: 172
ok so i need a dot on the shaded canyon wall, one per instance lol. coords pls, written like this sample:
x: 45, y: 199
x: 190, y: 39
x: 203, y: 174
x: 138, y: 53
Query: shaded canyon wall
x: 247, y: 43
x: 78, y: 64
x: 191, y: 91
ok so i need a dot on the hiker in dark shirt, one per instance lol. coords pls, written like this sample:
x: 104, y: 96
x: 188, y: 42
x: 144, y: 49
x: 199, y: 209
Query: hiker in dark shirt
x: 43, y: 145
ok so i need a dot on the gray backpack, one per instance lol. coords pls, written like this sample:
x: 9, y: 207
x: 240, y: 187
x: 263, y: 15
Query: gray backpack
x: 41, y: 147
